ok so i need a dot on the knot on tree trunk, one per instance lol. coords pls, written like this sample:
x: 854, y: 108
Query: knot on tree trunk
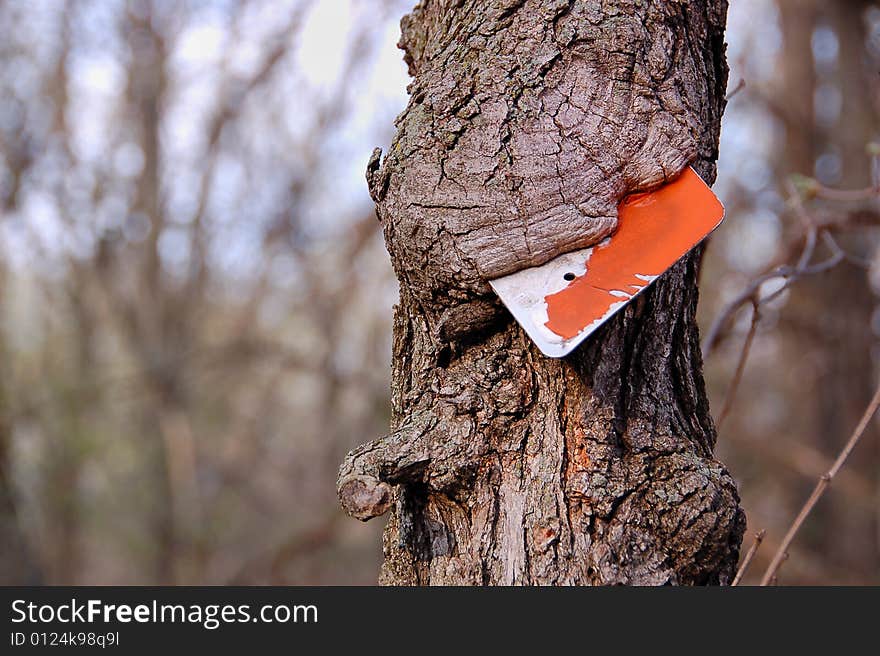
x: 416, y: 453
x: 367, y: 473
x: 363, y: 497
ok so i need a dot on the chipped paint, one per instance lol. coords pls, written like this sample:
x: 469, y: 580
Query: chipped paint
x: 560, y: 303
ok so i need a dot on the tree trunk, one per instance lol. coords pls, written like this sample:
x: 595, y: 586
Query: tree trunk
x: 528, y: 122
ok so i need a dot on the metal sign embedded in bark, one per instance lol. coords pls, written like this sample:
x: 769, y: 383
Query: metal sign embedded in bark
x: 559, y: 304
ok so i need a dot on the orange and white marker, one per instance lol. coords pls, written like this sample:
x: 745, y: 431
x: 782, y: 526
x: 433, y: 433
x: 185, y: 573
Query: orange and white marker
x: 559, y: 304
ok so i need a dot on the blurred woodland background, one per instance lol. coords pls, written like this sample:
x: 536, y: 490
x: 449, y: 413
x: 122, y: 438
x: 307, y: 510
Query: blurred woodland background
x: 195, y: 301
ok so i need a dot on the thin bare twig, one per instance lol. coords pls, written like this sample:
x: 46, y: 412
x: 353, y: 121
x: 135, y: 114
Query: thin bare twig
x: 775, y: 580
x: 759, y: 538
x: 836, y: 249
x: 819, y: 490
x: 846, y: 195
x: 739, y: 87
x: 741, y: 365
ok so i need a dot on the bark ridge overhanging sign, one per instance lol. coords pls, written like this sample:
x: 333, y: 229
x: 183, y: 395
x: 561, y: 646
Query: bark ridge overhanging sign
x: 560, y: 303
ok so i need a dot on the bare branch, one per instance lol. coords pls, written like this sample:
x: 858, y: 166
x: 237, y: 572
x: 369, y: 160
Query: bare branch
x: 759, y: 538
x: 790, y: 274
x: 741, y: 365
x: 819, y: 490
x: 739, y: 87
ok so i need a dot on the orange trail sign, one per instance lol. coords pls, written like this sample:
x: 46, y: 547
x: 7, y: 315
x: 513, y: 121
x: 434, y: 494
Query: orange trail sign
x: 559, y: 304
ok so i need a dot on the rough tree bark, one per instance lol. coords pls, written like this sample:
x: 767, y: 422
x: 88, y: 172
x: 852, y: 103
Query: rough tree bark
x: 528, y: 121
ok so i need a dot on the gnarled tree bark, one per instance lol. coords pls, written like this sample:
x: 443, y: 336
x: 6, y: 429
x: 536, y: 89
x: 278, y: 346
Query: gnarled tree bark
x: 528, y: 121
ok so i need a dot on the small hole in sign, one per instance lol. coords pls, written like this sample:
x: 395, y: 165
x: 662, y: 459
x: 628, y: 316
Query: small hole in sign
x: 569, y: 276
